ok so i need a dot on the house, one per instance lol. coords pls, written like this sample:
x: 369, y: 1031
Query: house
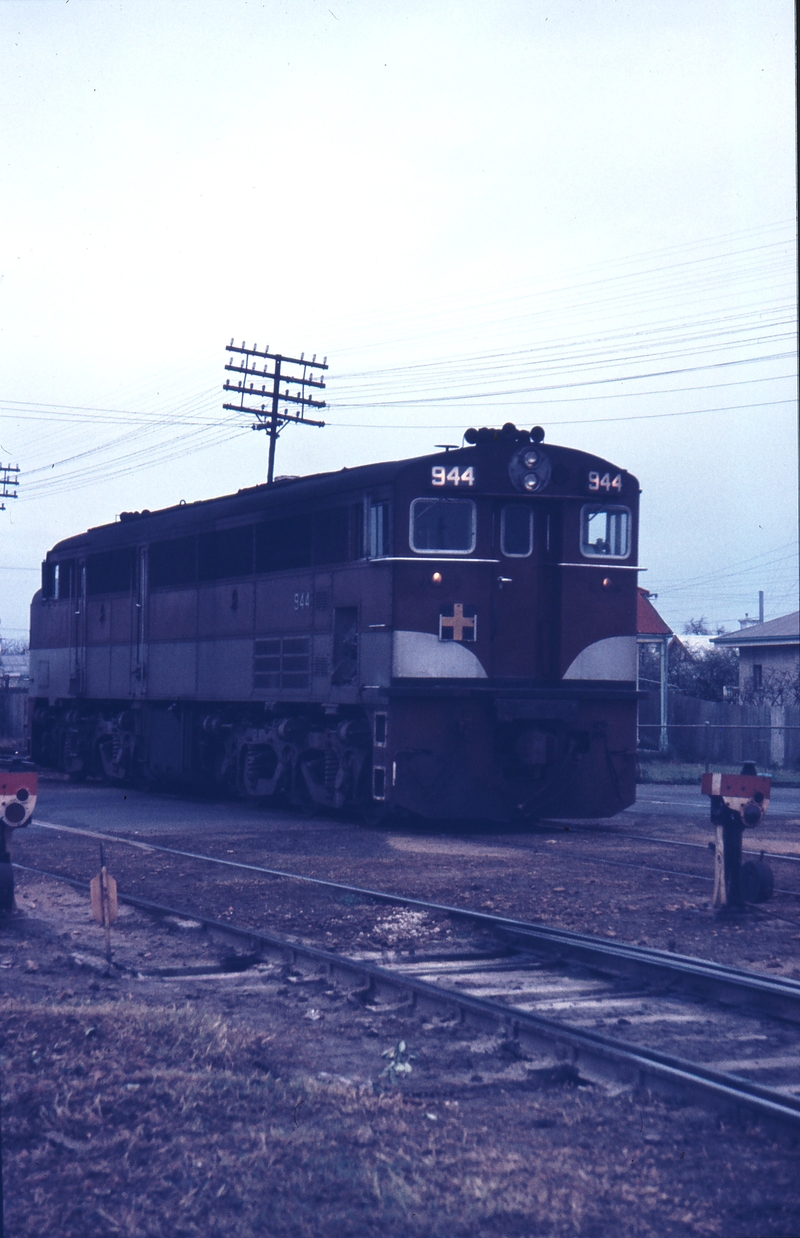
x: 769, y: 660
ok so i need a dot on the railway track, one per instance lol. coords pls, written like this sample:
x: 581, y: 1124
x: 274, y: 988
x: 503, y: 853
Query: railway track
x: 608, y: 1012
x: 590, y: 857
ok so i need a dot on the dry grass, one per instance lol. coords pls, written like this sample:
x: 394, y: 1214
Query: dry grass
x: 124, y: 1119
x: 688, y: 774
x: 128, y: 1120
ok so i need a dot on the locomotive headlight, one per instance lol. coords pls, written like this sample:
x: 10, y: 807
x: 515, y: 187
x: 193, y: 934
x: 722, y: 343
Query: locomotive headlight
x: 530, y: 469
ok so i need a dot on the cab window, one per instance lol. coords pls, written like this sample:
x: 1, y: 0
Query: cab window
x: 516, y: 530
x: 379, y: 541
x: 605, y: 532
x: 446, y: 525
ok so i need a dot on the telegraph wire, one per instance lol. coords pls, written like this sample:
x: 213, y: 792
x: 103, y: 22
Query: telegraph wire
x: 588, y: 382
x: 710, y: 268
x: 582, y: 421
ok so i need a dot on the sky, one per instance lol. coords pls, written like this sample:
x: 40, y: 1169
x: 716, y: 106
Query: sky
x: 573, y: 214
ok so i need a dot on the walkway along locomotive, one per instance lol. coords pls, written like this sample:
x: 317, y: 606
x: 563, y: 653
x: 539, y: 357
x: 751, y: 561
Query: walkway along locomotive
x: 451, y: 635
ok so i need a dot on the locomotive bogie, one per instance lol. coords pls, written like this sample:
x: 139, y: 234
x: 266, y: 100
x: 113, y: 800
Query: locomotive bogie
x: 453, y: 636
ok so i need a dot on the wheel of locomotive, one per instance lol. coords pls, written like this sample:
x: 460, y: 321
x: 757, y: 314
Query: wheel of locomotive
x: 758, y: 882
x: 301, y: 796
x: 6, y: 886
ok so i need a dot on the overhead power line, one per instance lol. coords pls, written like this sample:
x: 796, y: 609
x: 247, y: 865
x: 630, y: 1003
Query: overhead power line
x: 742, y: 305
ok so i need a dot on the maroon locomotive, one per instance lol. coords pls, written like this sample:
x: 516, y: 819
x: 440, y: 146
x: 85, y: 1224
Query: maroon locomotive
x: 452, y: 636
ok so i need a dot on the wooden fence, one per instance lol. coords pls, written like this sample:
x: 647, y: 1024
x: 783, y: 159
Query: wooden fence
x: 13, y: 708
x: 721, y: 732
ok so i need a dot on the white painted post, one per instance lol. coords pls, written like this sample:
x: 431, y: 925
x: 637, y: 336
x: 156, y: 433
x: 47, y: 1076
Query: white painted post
x: 663, y: 739
x: 777, y: 736
x: 720, y: 896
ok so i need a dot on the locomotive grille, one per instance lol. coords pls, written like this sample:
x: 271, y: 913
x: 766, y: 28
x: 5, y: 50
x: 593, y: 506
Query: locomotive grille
x: 282, y: 662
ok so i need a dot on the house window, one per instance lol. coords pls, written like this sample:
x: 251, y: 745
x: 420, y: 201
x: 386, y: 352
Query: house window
x: 758, y: 675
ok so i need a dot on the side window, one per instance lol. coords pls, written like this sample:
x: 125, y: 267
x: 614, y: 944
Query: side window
x: 111, y: 571
x: 357, y: 531
x: 447, y: 525
x: 225, y: 552
x: 283, y: 544
x: 379, y: 543
x: 605, y: 532
x: 173, y: 562
x: 330, y: 535
x: 49, y: 579
x: 65, y: 577
x: 516, y: 530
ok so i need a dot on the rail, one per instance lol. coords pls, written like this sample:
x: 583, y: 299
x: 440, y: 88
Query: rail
x: 593, y: 1057
x: 592, y: 1054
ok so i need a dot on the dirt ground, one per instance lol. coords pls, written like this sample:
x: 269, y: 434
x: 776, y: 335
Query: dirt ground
x: 615, y: 879
x: 220, y: 1103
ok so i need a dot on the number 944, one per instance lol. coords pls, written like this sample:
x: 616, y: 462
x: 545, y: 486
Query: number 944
x: 606, y: 482
x: 440, y: 476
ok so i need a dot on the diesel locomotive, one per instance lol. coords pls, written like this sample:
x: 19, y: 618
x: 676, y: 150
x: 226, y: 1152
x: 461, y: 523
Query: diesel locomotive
x: 450, y: 636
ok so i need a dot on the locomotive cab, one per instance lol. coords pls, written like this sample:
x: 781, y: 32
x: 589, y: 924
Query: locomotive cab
x: 514, y: 632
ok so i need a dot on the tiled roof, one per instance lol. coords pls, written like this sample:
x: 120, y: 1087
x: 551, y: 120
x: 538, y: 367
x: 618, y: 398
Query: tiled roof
x: 782, y: 631
x: 648, y: 620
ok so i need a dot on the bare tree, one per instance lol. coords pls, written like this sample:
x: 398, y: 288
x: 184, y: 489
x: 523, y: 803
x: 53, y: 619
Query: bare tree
x: 706, y: 674
x: 13, y: 646
x: 776, y: 688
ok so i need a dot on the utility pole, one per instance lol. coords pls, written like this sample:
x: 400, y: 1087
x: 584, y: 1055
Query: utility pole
x: 270, y: 416
x: 9, y: 480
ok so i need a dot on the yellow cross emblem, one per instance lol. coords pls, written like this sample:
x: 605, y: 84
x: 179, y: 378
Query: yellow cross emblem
x: 458, y: 622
